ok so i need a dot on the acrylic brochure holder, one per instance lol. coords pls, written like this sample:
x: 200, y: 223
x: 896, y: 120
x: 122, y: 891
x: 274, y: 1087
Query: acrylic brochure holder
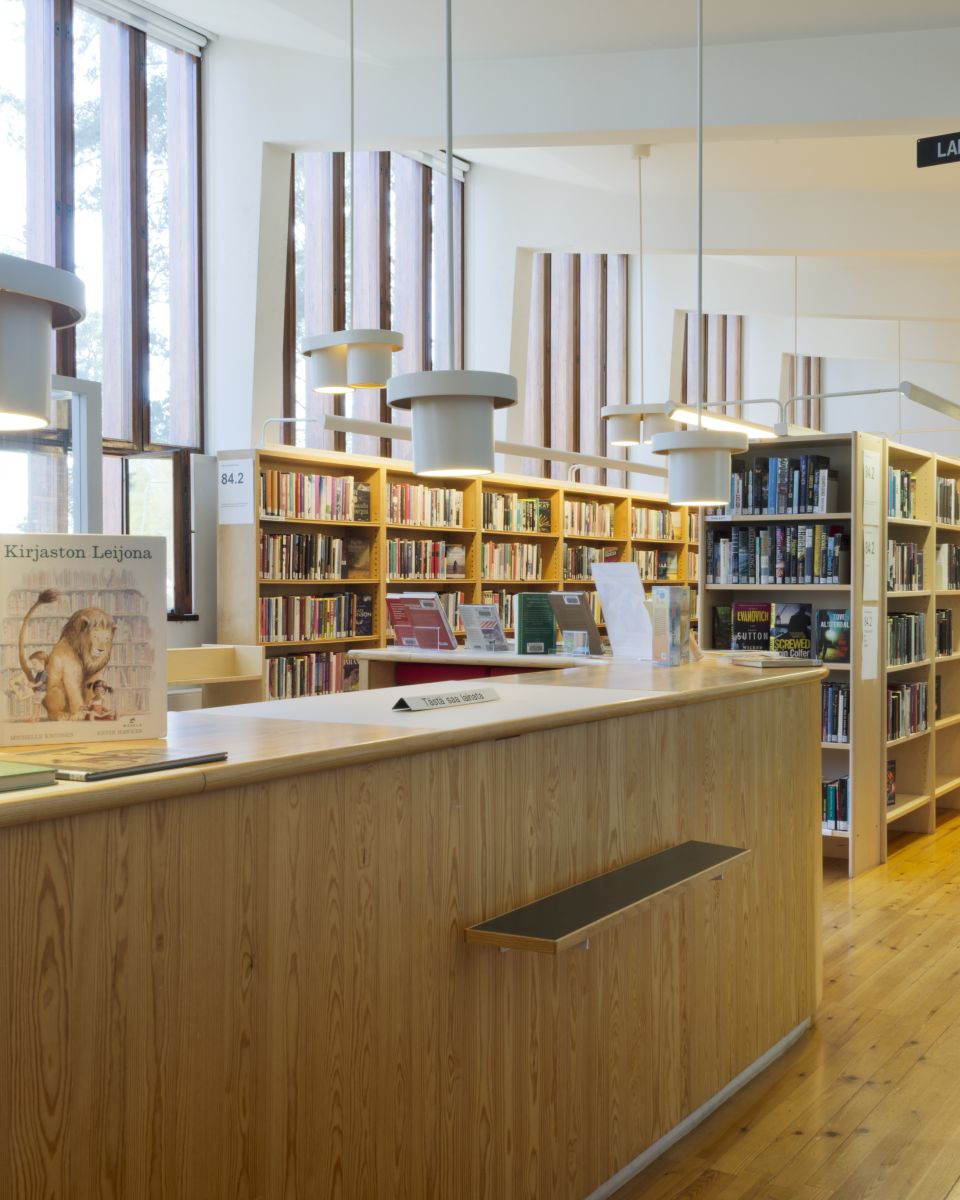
x: 623, y: 601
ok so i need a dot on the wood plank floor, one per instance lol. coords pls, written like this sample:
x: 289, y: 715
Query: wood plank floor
x: 868, y: 1103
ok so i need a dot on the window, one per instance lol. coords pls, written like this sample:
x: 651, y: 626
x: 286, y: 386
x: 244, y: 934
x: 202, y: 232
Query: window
x: 99, y: 140
x: 398, y: 281
x: 576, y: 357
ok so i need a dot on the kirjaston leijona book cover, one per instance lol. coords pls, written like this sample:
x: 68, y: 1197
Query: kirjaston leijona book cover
x: 82, y: 638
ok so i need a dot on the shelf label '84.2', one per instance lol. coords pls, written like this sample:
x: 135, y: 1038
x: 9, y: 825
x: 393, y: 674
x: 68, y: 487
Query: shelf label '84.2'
x: 235, y: 491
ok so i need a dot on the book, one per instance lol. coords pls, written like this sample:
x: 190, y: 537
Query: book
x: 535, y: 628
x: 671, y: 626
x: 455, y: 560
x: 833, y: 634
x: 89, y: 764
x: 722, y: 627
x: 790, y: 630
x: 574, y: 614
x: 84, y: 639
x: 759, y: 659
x: 891, y: 782
x: 751, y: 625
x: 356, y: 558
x: 15, y: 776
x: 361, y: 501
x: 420, y: 621
x: 481, y: 624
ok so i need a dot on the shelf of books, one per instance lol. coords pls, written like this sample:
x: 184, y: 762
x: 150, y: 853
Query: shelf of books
x: 331, y: 534
x: 908, y: 670
x: 945, y: 637
x: 777, y: 572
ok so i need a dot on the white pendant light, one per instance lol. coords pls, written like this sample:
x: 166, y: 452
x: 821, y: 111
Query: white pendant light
x: 34, y: 299
x: 699, y: 459
x: 351, y: 358
x: 452, y: 411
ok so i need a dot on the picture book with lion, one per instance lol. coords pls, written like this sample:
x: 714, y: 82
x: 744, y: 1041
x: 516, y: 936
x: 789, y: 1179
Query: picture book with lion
x: 82, y: 638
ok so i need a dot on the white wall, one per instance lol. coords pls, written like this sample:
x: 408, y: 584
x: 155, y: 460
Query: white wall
x: 261, y: 101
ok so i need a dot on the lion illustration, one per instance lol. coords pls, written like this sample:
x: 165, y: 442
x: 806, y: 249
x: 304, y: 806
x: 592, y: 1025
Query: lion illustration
x: 75, y: 663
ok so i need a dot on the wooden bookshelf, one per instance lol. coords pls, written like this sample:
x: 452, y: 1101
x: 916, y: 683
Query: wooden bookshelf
x: 914, y: 809
x: 862, y: 759
x: 946, y: 743
x: 241, y: 586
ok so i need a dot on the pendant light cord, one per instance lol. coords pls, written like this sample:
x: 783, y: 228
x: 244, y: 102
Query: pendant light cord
x: 353, y: 171
x: 643, y: 355
x: 700, y: 338
x: 450, y: 330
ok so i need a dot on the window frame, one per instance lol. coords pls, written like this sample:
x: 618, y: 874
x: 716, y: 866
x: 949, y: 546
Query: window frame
x: 337, y: 232
x: 141, y: 442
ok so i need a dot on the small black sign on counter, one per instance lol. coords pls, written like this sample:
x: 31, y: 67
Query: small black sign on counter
x: 429, y: 703
x: 933, y: 151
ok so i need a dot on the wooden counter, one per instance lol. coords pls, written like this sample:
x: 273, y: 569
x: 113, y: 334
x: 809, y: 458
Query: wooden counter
x: 251, y: 978
x: 388, y: 666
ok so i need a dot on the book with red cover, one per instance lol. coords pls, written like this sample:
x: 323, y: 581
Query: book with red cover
x: 420, y: 621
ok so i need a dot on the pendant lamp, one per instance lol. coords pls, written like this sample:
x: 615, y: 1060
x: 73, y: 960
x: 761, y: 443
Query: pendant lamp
x: 698, y: 459
x: 451, y: 412
x: 34, y: 299
x: 351, y: 358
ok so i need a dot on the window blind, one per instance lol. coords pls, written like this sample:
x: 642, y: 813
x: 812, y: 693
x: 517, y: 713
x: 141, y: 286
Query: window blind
x: 153, y: 22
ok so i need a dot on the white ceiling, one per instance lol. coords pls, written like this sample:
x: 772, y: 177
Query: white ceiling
x: 397, y: 30
x: 843, y: 164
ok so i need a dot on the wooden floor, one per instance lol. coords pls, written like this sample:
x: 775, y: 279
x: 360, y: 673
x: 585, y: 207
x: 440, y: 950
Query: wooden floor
x: 868, y: 1103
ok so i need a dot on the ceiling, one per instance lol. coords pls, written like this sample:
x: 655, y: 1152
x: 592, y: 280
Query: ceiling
x: 846, y: 164
x: 398, y: 30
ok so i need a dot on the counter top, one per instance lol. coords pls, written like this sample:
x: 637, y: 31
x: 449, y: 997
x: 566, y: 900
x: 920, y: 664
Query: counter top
x: 476, y: 658
x: 287, y: 737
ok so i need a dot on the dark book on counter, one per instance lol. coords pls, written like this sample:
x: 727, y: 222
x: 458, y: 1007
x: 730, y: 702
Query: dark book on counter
x: 790, y: 631
x: 833, y: 635
x: 751, y: 626
x: 721, y: 627
x: 534, y: 625
x: 15, y: 776
x: 89, y: 764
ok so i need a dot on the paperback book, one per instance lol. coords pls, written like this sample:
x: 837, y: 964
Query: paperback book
x: 751, y: 626
x: 420, y: 621
x: 790, y: 631
x: 83, y: 654
x: 833, y: 635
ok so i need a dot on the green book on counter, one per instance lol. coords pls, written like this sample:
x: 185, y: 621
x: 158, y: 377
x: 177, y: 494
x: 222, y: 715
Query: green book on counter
x: 534, y: 624
x: 15, y: 776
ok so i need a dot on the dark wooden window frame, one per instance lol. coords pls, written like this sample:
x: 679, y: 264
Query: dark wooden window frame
x: 141, y: 443
x: 339, y: 234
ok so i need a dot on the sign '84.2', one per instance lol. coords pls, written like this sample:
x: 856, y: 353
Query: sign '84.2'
x: 933, y: 151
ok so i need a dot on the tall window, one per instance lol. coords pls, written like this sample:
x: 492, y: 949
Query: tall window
x: 576, y: 357
x: 99, y: 138
x: 398, y: 281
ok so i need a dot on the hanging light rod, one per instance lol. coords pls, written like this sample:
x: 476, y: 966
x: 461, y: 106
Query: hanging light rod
x: 699, y: 459
x: 402, y: 433
x: 351, y: 358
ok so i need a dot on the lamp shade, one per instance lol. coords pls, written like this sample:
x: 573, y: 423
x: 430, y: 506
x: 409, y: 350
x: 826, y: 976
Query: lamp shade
x: 623, y: 424
x: 351, y: 358
x: 34, y: 299
x: 451, y: 416
x: 699, y: 464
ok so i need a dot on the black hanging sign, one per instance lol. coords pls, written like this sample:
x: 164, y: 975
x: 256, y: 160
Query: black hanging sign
x: 944, y: 148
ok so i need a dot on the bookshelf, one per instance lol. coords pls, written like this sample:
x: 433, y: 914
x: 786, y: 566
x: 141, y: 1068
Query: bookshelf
x: 946, y: 736
x: 486, y: 531
x: 910, y: 478
x: 860, y: 758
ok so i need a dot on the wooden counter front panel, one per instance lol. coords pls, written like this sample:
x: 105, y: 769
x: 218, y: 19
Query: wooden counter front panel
x: 265, y: 992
